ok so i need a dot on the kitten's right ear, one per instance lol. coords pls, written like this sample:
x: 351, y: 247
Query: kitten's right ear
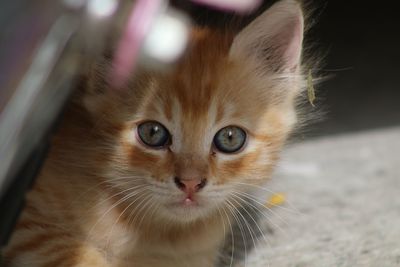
x: 274, y: 39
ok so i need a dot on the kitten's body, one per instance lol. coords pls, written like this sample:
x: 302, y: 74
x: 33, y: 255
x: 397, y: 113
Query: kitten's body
x: 104, y: 199
x: 79, y: 234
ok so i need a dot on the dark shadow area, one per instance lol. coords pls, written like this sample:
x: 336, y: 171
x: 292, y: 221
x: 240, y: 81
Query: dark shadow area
x: 362, y: 41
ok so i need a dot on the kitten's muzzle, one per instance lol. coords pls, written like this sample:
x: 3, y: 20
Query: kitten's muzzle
x: 190, y: 186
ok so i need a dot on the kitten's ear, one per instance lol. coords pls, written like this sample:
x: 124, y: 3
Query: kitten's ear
x: 274, y: 39
x: 92, y: 90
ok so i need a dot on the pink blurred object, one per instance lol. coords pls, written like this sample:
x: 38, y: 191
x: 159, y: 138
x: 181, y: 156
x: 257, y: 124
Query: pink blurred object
x: 239, y: 6
x: 138, y: 25
x: 148, y: 16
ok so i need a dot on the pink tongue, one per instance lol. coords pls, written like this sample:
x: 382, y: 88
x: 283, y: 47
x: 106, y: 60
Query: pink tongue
x: 188, y: 201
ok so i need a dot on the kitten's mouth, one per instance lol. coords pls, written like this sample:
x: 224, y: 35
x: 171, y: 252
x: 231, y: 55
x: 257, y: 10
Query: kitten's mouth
x: 188, y: 201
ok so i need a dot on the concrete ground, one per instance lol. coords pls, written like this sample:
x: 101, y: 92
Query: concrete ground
x: 343, y: 204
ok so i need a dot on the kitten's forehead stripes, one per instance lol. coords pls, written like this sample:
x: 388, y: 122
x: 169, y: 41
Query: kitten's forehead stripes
x: 202, y: 92
x: 196, y: 78
x: 187, y: 97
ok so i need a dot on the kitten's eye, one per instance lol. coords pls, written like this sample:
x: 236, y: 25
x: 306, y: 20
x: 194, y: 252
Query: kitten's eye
x: 230, y: 139
x: 153, y: 134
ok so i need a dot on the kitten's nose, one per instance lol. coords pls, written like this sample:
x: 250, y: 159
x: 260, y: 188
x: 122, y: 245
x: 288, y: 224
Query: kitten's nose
x: 190, y: 185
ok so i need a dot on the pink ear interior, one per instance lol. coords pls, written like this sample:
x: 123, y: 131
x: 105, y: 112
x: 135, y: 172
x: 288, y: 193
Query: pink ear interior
x: 290, y: 40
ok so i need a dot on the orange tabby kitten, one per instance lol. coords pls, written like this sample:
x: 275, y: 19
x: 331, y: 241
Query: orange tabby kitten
x: 148, y: 176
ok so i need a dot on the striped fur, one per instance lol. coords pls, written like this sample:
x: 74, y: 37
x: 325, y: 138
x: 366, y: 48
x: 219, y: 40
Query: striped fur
x: 105, y: 200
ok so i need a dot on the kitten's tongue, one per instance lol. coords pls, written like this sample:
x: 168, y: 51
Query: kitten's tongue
x: 189, y: 201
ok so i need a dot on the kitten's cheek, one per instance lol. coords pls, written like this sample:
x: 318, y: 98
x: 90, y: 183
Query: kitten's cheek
x: 233, y: 169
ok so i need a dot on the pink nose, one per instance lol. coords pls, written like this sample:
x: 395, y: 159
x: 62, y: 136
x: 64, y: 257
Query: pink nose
x: 190, y: 185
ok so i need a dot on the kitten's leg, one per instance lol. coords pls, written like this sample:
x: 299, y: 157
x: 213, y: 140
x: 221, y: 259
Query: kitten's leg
x: 204, y: 260
x: 51, y: 253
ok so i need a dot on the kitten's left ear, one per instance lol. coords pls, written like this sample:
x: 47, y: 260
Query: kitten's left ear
x: 274, y: 39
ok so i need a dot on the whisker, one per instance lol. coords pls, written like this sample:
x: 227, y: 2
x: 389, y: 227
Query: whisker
x: 142, y: 204
x: 123, y: 199
x: 239, y: 224
x: 292, y: 209
x: 222, y: 218
x: 152, y: 204
x: 134, y: 213
x: 252, y: 218
x: 254, y: 201
x: 261, y: 212
x: 234, y: 194
x: 117, y: 220
x: 105, y: 183
x: 130, y: 189
x: 251, y: 231
x: 232, y: 236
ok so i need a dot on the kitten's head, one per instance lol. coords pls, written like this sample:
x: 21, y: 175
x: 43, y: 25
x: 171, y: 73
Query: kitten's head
x: 189, y: 142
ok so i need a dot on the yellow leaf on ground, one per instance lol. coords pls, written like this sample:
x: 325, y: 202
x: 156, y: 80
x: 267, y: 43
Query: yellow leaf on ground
x: 276, y: 199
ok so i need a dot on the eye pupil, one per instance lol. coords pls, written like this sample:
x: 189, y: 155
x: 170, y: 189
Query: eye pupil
x: 154, y: 130
x: 230, y: 139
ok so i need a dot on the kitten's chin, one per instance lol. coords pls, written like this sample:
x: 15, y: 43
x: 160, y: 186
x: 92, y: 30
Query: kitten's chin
x: 187, y: 211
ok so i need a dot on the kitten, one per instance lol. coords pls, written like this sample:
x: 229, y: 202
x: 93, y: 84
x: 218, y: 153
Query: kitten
x: 150, y: 176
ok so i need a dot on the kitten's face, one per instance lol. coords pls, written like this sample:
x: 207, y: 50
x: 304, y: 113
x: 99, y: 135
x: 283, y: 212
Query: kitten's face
x: 190, y: 142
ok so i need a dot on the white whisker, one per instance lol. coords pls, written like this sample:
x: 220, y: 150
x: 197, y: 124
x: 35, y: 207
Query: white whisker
x: 123, y: 199
x: 116, y: 221
x: 229, y: 206
x: 252, y: 218
x: 232, y: 236
x: 261, y: 212
x: 251, y: 231
x: 292, y: 208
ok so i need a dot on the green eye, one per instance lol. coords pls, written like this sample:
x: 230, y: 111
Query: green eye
x: 153, y: 134
x: 230, y: 139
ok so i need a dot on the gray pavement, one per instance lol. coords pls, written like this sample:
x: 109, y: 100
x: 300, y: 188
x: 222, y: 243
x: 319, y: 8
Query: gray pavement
x: 343, y: 204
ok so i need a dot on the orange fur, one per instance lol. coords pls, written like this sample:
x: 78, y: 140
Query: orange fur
x: 105, y: 199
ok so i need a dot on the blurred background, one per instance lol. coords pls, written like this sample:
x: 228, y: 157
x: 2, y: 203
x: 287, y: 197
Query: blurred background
x: 362, y: 40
